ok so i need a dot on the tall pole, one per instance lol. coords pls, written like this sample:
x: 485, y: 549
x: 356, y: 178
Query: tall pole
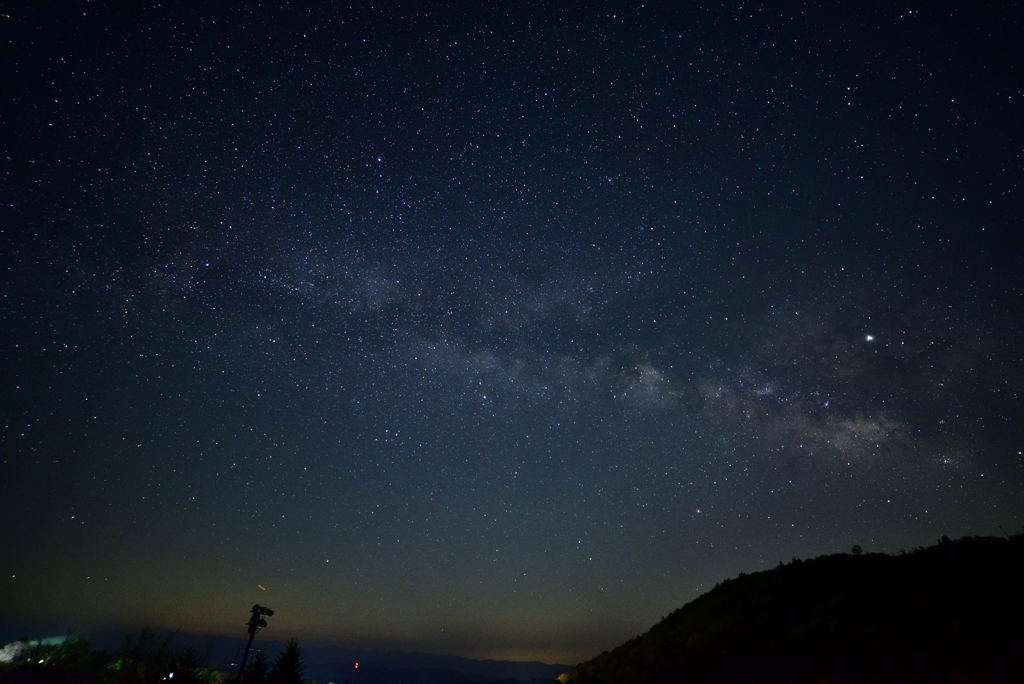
x: 256, y: 622
x: 245, y: 657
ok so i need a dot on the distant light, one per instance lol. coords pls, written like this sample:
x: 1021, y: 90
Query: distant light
x: 356, y: 667
x: 869, y: 338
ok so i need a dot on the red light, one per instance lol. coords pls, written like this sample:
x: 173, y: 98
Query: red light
x: 357, y: 665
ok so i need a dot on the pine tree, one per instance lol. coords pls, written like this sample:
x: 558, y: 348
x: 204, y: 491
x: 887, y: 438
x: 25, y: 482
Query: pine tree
x: 288, y: 667
x: 257, y: 669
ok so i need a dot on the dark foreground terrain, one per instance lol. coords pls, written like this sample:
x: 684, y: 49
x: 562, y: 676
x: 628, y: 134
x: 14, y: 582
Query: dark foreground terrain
x: 948, y: 613
x: 147, y: 657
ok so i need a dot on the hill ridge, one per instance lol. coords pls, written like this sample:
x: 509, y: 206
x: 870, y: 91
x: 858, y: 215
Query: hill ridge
x: 940, y: 613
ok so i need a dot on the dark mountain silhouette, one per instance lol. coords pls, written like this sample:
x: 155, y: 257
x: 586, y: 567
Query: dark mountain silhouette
x: 948, y: 613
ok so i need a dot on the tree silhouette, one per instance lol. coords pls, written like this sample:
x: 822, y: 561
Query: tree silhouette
x: 186, y: 668
x: 256, y: 673
x: 288, y: 666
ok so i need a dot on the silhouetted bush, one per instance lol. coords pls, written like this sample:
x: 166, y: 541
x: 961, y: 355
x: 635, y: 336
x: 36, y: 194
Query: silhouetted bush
x: 143, y: 659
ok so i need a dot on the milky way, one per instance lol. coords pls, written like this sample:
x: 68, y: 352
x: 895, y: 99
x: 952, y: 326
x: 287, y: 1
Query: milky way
x: 496, y: 331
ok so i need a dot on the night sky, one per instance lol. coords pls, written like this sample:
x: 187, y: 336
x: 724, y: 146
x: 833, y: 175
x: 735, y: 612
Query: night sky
x: 496, y: 329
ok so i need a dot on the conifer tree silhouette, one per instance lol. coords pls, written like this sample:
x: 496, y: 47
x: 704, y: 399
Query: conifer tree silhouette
x: 257, y: 671
x: 288, y: 666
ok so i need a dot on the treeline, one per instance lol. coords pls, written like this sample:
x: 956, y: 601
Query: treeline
x: 144, y: 658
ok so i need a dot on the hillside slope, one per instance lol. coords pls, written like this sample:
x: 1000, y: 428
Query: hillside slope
x: 948, y: 613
